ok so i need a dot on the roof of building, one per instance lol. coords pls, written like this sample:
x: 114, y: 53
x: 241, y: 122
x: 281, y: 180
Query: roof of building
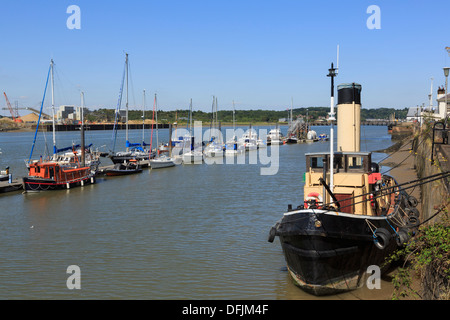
x: 442, y: 99
x: 413, y: 112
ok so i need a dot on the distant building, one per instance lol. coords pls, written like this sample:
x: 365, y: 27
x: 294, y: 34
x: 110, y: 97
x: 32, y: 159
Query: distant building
x: 414, y: 114
x: 68, y: 113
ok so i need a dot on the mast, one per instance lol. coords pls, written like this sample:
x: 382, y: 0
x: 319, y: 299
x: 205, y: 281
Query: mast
x: 234, y: 129
x: 143, y: 119
x: 190, y: 125
x: 292, y: 106
x: 153, y: 121
x: 83, y: 156
x: 332, y: 74
x: 53, y: 106
x: 234, y: 123
x: 126, y: 134
x: 156, y: 117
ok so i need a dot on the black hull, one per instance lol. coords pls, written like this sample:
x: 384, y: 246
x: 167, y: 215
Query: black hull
x: 328, y: 252
x: 35, y: 184
x: 115, y: 172
x: 126, y: 159
x: 291, y: 140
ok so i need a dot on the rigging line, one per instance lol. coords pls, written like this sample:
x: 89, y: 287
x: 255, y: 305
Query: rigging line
x: 410, y: 154
x: 399, y: 149
x: 117, y: 113
x: 409, y: 141
x: 381, y: 195
x: 435, y: 214
x: 40, y: 113
x: 131, y: 82
x: 439, y: 175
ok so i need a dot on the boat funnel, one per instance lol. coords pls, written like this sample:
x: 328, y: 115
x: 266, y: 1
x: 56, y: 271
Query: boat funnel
x: 349, y: 117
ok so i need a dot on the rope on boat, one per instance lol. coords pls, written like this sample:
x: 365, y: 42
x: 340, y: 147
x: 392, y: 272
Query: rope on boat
x: 419, y: 182
x: 387, y: 220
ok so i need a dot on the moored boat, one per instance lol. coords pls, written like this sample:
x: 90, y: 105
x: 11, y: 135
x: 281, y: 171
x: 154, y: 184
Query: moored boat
x: 53, y: 173
x: 352, y: 216
x: 126, y: 168
x: 162, y: 162
x: 275, y: 137
x: 48, y: 175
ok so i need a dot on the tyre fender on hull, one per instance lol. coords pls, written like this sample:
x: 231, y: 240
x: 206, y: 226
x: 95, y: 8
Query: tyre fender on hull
x: 402, y: 237
x: 381, y: 238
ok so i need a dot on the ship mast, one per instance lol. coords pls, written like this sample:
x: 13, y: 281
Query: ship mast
x: 53, y: 107
x: 126, y: 133
x: 332, y: 74
x: 83, y: 151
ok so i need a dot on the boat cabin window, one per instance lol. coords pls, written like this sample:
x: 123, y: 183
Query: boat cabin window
x: 343, y: 162
x: 355, y: 163
x: 316, y: 162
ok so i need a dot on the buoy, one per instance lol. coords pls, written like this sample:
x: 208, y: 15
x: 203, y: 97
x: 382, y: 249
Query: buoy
x: 313, y: 196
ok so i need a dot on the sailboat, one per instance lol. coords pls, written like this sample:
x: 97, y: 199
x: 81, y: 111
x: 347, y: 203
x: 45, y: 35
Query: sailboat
x: 52, y: 174
x: 352, y: 216
x: 249, y: 140
x: 160, y: 161
x: 79, y: 153
x: 191, y: 155
x: 232, y: 147
x: 134, y: 151
x: 215, y: 147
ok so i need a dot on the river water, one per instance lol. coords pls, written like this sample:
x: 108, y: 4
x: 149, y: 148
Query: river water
x: 186, y: 232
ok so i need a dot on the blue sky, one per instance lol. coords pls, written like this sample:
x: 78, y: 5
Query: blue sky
x: 258, y: 53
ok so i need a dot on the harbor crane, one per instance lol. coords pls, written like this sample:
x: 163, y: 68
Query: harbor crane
x: 15, y: 117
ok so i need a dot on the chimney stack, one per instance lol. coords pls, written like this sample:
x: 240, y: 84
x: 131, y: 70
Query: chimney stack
x: 349, y: 117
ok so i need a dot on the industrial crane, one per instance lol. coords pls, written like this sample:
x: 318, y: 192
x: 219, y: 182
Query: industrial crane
x: 14, y: 117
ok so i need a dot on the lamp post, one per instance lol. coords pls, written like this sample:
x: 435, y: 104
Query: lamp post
x: 446, y: 71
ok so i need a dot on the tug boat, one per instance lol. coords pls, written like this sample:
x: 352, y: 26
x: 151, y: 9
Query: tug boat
x: 352, y: 216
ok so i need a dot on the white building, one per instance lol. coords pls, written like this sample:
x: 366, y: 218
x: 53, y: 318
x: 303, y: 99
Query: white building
x: 443, y: 110
x: 438, y: 112
x: 68, y: 113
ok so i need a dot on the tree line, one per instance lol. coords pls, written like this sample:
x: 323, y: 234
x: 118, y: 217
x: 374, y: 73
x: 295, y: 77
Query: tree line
x: 241, y: 116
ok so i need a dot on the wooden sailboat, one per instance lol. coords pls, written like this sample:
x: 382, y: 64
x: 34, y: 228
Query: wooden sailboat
x: 52, y: 174
x: 352, y: 216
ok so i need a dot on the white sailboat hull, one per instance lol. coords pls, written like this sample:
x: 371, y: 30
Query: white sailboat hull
x: 193, y: 158
x: 162, y: 163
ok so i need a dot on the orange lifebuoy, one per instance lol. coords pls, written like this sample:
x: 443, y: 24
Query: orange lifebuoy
x: 313, y: 196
